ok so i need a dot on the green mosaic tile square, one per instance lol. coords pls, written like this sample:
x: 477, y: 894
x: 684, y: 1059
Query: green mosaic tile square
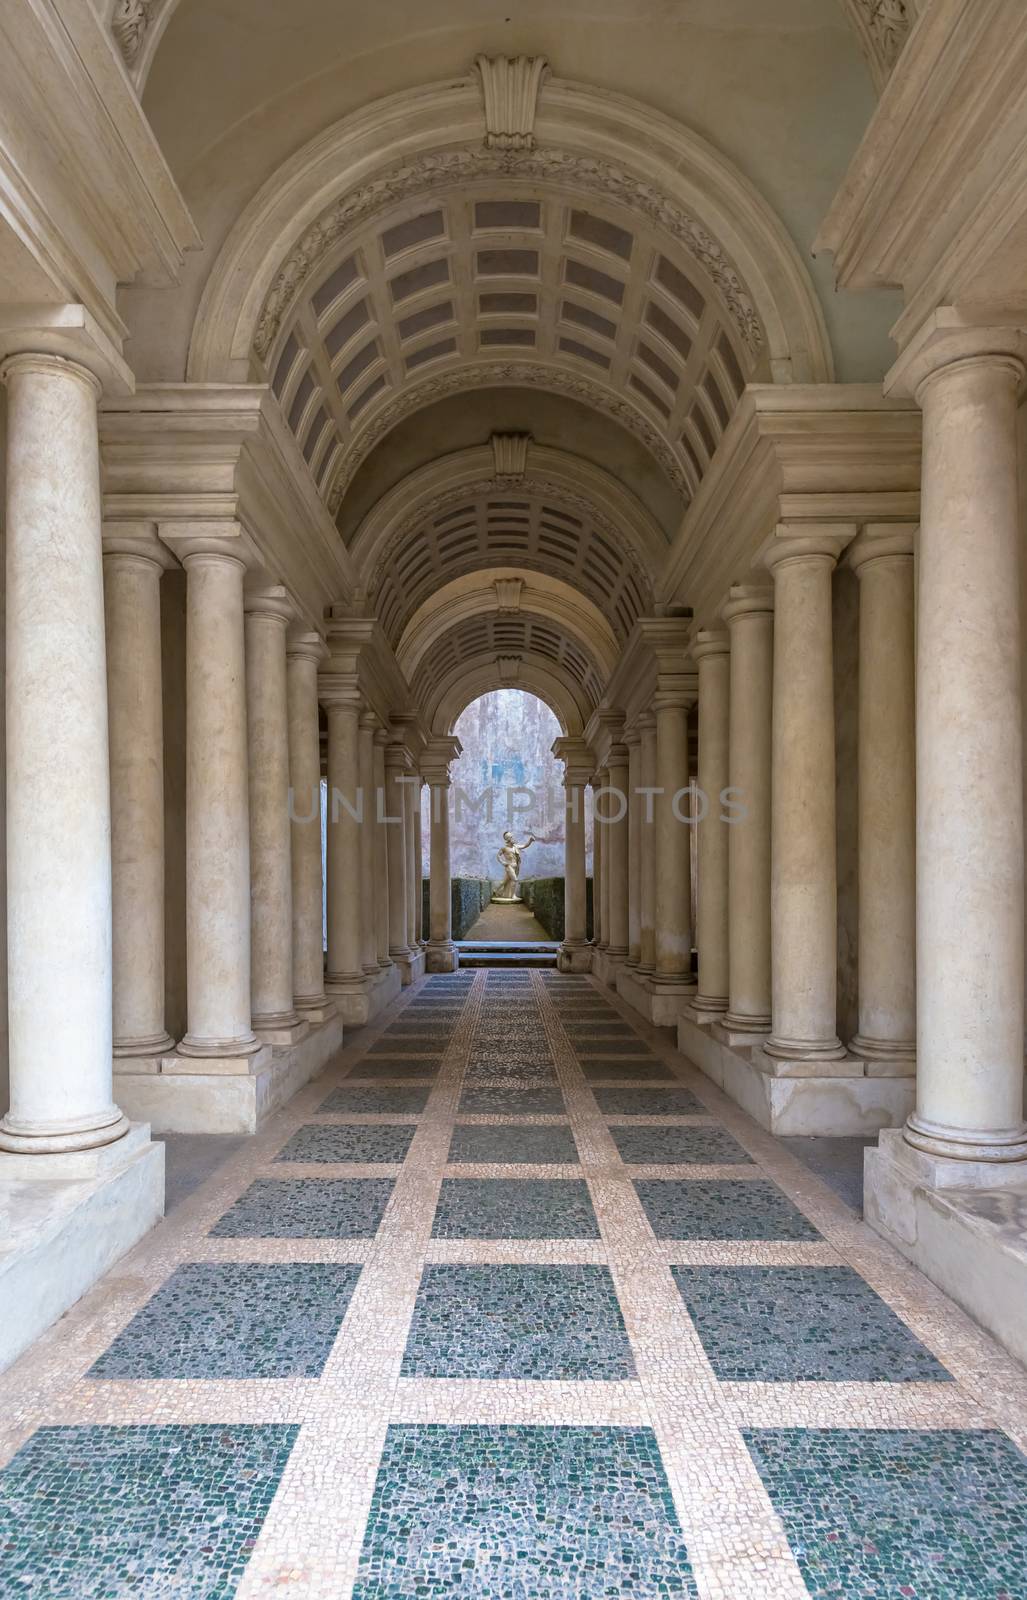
x: 406, y: 1100
x: 513, y: 1145
x: 706, y: 1147
x: 422, y: 1045
x: 396, y: 1068
x: 629, y: 1102
x: 599, y: 1028
x: 597, y: 1049
x: 625, y: 1070
x: 357, y: 1142
x: 307, y: 1208
x: 226, y: 1320
x: 939, y: 1515
x: 522, y: 1513
x: 512, y: 1100
x: 723, y: 1208
x: 534, y: 1322
x: 98, y: 1513
x: 515, y: 1208
x: 801, y: 1325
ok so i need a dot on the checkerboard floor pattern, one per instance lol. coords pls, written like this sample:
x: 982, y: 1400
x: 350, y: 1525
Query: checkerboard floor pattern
x: 512, y: 1301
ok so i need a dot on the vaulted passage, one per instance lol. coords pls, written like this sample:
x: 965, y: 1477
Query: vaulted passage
x: 621, y: 1189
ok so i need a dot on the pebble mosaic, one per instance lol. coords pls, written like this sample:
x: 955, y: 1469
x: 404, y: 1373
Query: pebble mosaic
x: 348, y: 1142
x: 801, y: 1325
x: 936, y: 1515
x: 515, y: 1208
x: 307, y: 1208
x: 543, y: 1513
x: 723, y: 1208
x: 537, y: 1385
x: 649, y: 1146
x: 235, y: 1320
x: 94, y: 1513
x: 535, y: 1145
x: 538, y: 1322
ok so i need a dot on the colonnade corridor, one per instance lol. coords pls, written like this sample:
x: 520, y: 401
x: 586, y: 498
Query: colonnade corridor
x: 513, y: 1302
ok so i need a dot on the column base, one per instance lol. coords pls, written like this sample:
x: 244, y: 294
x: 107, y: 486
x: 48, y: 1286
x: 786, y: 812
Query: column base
x: 574, y: 957
x: 68, y: 1219
x: 247, y: 1044
x: 441, y: 955
x: 219, y: 1066
x: 154, y: 1044
x: 705, y: 1009
x: 350, y: 991
x: 189, y: 1095
x: 888, y: 1051
x: 659, y: 1003
x: 799, y: 1050
x: 25, y: 1139
x: 728, y: 1033
x: 607, y: 964
x: 411, y: 967
x: 795, y: 1098
x: 966, y: 1229
x: 281, y: 1035
x: 748, y: 1022
x: 974, y: 1159
x: 317, y: 1008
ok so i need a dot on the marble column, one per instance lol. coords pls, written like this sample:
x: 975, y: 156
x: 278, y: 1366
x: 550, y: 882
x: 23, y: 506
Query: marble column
x: 575, y: 755
x: 673, y: 968
x: 633, y: 740
x: 882, y: 557
x: 58, y: 784
x: 803, y: 892
x: 217, y: 808
x: 598, y: 930
x: 273, y: 1014
x: 368, y: 913
x: 419, y: 867
x: 442, y: 952
x: 749, y: 614
x: 412, y: 802
x: 711, y: 652
x: 602, y: 827
x: 132, y: 569
x: 397, y: 763
x: 346, y: 811
x: 303, y: 655
x: 969, y: 805
x: 381, y: 851
x: 647, y: 845
x: 616, y: 811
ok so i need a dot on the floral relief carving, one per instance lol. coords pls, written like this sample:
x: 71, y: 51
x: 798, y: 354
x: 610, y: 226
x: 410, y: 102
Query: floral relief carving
x: 454, y: 167
x: 513, y: 374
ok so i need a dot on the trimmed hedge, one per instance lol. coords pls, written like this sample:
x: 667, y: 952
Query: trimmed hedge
x: 470, y: 897
x: 545, y: 897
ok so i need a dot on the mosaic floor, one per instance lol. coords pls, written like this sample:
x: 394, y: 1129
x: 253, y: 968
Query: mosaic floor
x: 513, y: 1304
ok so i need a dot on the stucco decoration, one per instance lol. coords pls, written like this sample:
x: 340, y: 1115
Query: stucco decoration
x: 453, y: 168
x: 510, y: 86
x: 883, y: 27
x: 511, y: 454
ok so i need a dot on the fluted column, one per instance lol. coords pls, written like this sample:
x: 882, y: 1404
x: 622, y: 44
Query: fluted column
x: 711, y: 652
x: 647, y: 844
x: 749, y: 614
x: 58, y: 785
x: 883, y: 559
x: 303, y: 655
x: 397, y: 762
x: 633, y: 740
x: 381, y: 852
x: 969, y: 853
x: 346, y: 811
x: 673, y: 968
x: 803, y: 893
x: 132, y: 569
x: 217, y: 808
x: 368, y: 917
x: 274, y: 1016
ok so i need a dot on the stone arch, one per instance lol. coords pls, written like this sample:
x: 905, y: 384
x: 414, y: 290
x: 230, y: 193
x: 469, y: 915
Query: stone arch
x: 451, y: 698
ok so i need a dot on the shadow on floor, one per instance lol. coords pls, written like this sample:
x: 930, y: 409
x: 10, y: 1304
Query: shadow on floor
x: 191, y: 1158
x: 839, y: 1162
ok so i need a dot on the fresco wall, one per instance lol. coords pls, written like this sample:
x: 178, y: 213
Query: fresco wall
x: 506, y: 777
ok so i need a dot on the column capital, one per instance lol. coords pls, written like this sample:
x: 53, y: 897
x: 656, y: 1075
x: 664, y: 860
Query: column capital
x: 369, y: 720
x: 338, y: 689
x: 710, y: 642
x: 306, y: 647
x: 578, y: 760
x: 136, y: 541
x: 948, y: 339
x: 645, y: 722
x: 65, y: 339
x: 397, y: 756
x: 676, y: 691
x: 438, y: 753
x: 274, y: 603
x: 194, y: 542
x: 748, y: 600
x: 632, y: 736
x: 880, y: 540
x: 807, y: 542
